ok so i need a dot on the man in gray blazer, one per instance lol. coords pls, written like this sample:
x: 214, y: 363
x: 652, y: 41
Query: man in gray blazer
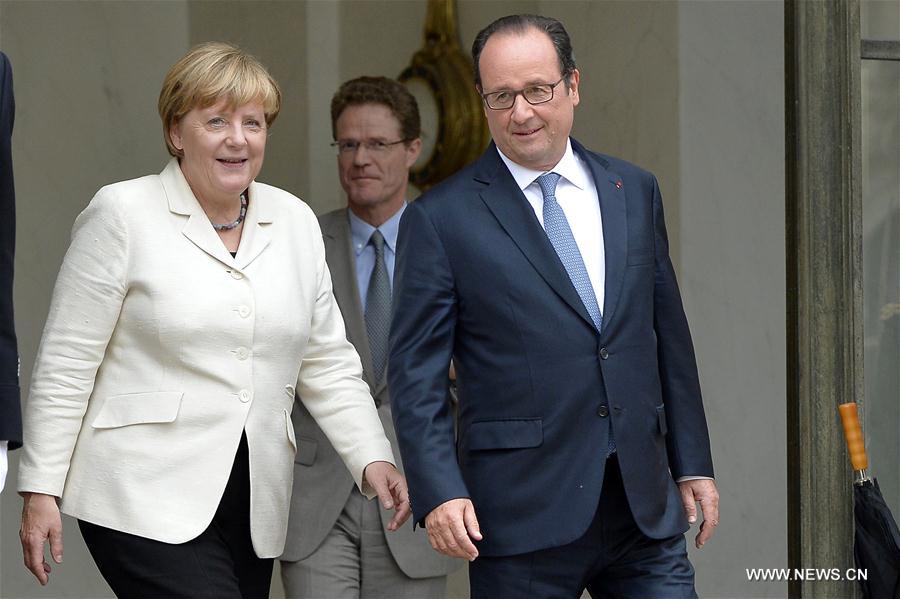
x: 337, y: 545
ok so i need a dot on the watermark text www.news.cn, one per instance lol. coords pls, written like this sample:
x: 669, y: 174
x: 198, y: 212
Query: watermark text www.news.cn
x: 793, y: 574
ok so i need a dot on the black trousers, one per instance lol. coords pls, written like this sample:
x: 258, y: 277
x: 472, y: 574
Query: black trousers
x: 220, y: 563
x: 612, y: 560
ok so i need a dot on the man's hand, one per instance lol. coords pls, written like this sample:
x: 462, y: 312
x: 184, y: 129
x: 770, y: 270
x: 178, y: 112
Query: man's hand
x: 704, y: 492
x: 40, y: 521
x: 452, y: 526
x: 392, y: 492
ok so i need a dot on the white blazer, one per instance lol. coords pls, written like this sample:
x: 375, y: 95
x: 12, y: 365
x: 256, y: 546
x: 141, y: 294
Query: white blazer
x: 160, y: 349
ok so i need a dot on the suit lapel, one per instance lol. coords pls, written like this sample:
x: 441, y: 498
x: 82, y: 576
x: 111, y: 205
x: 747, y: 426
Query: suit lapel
x: 342, y: 264
x: 512, y: 210
x: 613, y: 214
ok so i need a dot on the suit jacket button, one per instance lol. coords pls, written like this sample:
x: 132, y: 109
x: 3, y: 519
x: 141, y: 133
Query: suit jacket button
x: 603, y: 411
x: 603, y: 353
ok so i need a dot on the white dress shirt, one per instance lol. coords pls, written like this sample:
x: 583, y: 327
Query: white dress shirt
x: 576, y: 194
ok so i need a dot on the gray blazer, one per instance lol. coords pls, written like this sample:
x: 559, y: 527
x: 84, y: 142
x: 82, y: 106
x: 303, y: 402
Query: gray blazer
x: 322, y: 483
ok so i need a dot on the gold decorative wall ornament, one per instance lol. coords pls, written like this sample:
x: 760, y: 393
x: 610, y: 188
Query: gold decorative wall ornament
x: 454, y: 130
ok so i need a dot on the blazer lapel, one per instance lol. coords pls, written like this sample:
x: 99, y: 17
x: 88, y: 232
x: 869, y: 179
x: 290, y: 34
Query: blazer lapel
x: 197, y: 228
x: 613, y: 213
x: 254, y: 238
x: 342, y: 264
x: 512, y: 210
x: 256, y: 235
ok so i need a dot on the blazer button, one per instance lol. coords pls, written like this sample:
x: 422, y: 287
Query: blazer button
x: 244, y: 311
x: 603, y: 411
x: 236, y: 275
x: 242, y: 353
x: 244, y: 396
x: 603, y: 353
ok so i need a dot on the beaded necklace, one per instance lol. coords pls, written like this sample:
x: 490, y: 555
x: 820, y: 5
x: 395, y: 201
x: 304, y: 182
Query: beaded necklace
x: 238, y: 220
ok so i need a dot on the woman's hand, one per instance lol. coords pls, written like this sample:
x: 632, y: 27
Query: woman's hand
x: 391, y: 488
x: 40, y: 521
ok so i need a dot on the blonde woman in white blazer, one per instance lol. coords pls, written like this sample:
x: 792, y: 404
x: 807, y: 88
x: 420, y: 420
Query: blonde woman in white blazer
x: 190, y: 307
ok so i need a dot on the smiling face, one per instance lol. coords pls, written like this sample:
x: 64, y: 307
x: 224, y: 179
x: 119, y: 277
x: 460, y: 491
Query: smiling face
x: 375, y: 181
x: 223, y: 149
x: 533, y: 136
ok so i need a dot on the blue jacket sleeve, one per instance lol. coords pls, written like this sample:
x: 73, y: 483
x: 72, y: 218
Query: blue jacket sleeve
x: 424, y: 318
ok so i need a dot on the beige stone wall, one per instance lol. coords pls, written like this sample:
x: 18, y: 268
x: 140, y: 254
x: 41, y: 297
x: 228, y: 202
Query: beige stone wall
x: 732, y: 275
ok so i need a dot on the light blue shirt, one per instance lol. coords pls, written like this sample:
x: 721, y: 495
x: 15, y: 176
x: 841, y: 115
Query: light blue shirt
x: 360, y: 232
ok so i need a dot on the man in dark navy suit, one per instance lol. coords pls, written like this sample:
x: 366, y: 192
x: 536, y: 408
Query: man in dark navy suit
x: 544, y: 270
x: 10, y: 415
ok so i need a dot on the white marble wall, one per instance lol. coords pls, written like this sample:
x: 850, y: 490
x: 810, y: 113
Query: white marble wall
x: 731, y: 140
x: 627, y: 53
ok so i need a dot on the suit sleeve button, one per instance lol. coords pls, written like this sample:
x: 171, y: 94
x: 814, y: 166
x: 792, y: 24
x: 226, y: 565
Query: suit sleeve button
x: 603, y: 411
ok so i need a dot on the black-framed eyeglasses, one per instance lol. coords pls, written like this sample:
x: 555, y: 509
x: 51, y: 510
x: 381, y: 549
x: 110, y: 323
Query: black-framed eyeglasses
x: 376, y: 146
x: 533, y: 94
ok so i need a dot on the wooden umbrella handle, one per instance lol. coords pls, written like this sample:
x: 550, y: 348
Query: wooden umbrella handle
x: 853, y: 434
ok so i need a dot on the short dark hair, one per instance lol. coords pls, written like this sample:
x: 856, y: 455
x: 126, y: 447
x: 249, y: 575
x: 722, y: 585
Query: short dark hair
x: 520, y: 24
x: 379, y: 90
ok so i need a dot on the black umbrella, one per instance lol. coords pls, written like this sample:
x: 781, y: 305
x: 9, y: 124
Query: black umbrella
x: 876, y: 545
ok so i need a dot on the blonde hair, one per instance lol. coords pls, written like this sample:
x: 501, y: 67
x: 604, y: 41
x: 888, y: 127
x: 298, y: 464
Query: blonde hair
x: 208, y: 73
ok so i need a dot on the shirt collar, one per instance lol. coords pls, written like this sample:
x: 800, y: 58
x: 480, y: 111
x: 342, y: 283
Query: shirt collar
x: 361, y: 231
x: 570, y: 167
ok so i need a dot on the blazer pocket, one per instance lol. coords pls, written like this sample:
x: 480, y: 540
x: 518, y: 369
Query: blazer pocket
x: 289, y: 429
x: 639, y: 256
x: 306, y: 451
x: 506, y: 434
x: 138, y: 408
x: 661, y: 419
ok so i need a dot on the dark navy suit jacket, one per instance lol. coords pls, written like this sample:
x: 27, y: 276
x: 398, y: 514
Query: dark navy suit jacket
x: 477, y: 278
x: 10, y: 415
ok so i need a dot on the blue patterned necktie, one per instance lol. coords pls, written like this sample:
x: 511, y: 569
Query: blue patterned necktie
x: 557, y: 228
x: 560, y: 234
x: 378, y: 308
